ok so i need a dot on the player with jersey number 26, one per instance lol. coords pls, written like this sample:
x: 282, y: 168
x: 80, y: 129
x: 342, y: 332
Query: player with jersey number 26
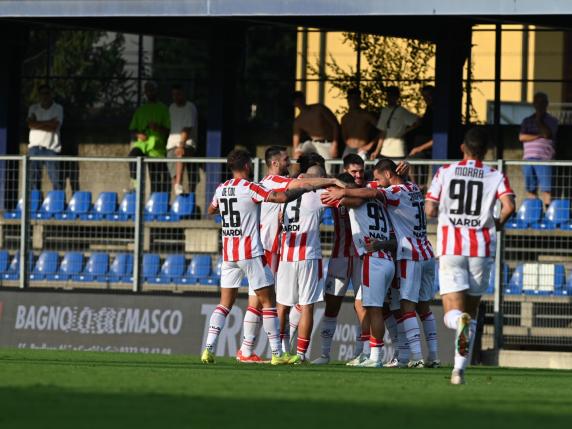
x: 237, y: 201
x: 462, y: 196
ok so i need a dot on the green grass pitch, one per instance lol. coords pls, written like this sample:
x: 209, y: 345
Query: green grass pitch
x: 44, y: 389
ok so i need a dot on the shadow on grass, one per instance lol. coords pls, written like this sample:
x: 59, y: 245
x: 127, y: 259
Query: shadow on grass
x: 45, y: 406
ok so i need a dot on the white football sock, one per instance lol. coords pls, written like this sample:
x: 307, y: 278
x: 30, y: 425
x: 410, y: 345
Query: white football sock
x: 294, y: 318
x: 413, y: 334
x: 430, y: 330
x: 272, y: 327
x: 285, y: 340
x: 250, y: 326
x: 216, y: 324
x: 451, y: 319
x: 375, y: 347
x: 327, y: 334
x: 391, y: 325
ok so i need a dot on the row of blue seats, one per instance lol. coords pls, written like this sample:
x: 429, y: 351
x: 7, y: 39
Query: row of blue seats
x: 105, y: 207
x: 530, y: 215
x: 174, y: 269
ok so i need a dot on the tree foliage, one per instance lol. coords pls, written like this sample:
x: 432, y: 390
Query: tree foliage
x: 386, y: 61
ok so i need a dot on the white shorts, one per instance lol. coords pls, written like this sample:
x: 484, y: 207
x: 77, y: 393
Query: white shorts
x: 256, y: 271
x: 464, y: 273
x: 340, y: 272
x: 299, y: 282
x: 416, y: 279
x: 377, y: 275
x: 321, y: 148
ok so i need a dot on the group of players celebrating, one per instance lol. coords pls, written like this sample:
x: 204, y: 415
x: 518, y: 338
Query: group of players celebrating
x: 271, y: 235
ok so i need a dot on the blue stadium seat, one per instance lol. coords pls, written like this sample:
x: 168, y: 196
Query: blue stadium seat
x: 121, y: 269
x: 327, y: 218
x: 71, y: 265
x: 79, y: 205
x: 200, y: 268
x: 126, y: 208
x: 95, y: 269
x: 514, y: 286
x: 47, y: 264
x: 217, y: 218
x: 35, y: 201
x: 4, y: 261
x: 53, y: 204
x: 504, y: 279
x: 105, y: 205
x: 182, y: 208
x: 244, y: 281
x: 157, y: 206
x: 528, y: 214
x: 557, y: 215
x: 214, y: 279
x: 151, y: 266
x: 172, y: 270
x: 567, y: 288
x: 13, y: 271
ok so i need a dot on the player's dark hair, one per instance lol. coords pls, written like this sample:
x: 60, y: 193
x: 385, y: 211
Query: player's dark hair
x: 177, y: 87
x: 238, y: 159
x: 476, y: 142
x: 44, y: 87
x: 271, y: 152
x: 354, y: 92
x: 298, y: 95
x: 346, y: 178
x: 307, y: 160
x: 385, y: 165
x: 352, y: 158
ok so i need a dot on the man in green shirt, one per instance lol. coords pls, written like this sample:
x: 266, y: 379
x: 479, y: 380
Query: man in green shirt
x: 149, y: 130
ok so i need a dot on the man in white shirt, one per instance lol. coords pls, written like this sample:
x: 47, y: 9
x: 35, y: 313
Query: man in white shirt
x: 182, y: 141
x: 394, y: 122
x: 45, y: 120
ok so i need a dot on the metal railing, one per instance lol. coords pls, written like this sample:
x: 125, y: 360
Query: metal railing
x: 528, y: 303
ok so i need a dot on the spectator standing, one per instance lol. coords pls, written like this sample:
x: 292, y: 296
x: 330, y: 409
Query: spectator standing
x: 149, y: 127
x: 358, y: 127
x: 182, y: 141
x: 45, y: 120
x: 538, y: 134
x: 394, y: 122
x: 422, y: 138
x: 319, y: 125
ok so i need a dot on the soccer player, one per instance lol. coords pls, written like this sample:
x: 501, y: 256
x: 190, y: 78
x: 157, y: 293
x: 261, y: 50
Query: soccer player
x: 344, y: 266
x: 299, y: 277
x: 277, y: 179
x: 369, y: 221
x: 238, y: 200
x: 463, y: 196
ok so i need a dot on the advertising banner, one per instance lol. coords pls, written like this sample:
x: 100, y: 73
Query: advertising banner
x: 153, y: 324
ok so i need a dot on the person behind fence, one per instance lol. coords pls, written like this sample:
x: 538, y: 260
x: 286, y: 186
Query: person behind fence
x: 422, y: 138
x: 45, y: 120
x: 538, y: 135
x: 358, y: 127
x: 149, y: 127
x: 182, y: 141
x: 393, y: 123
x: 319, y: 125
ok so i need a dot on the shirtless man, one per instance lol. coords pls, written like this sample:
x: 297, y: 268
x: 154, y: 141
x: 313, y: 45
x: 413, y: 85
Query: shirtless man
x: 318, y: 123
x: 358, y: 126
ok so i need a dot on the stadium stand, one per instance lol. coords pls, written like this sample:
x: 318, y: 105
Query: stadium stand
x: 79, y: 205
x: 557, y: 216
x: 95, y: 269
x: 528, y: 214
x: 71, y: 265
x: 126, y: 208
x: 105, y: 205
x: 47, y: 264
x: 35, y: 201
x: 53, y: 204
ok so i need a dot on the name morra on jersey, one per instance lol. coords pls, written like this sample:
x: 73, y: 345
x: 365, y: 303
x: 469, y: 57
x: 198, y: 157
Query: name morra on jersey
x: 238, y: 201
x: 467, y: 192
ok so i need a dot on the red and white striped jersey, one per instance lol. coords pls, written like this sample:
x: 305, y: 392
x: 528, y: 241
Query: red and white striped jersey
x: 406, y: 207
x: 466, y: 192
x: 238, y: 201
x: 343, y: 243
x: 269, y: 214
x: 370, y: 221
x: 301, y: 228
